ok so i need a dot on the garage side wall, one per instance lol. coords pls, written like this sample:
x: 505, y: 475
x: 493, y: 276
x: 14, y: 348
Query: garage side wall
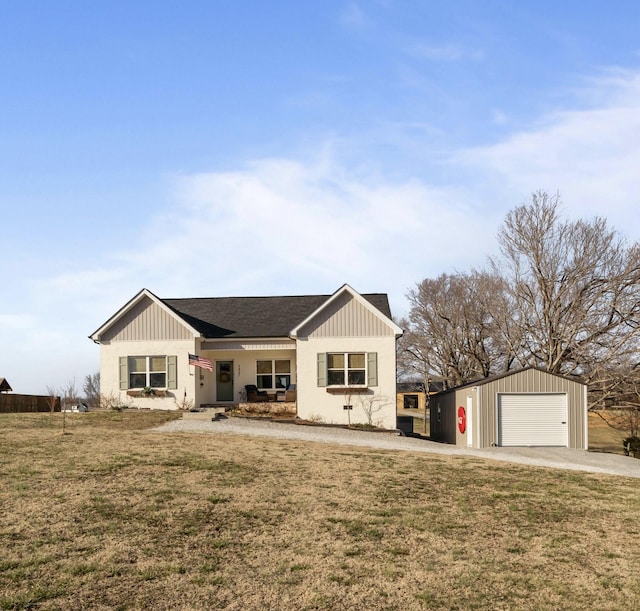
x: 442, y: 417
x: 532, y: 381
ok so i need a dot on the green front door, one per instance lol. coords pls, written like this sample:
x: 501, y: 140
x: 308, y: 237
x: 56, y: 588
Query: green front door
x: 224, y: 380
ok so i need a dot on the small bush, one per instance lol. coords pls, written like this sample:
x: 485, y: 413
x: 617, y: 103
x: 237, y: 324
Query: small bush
x: 184, y: 405
x: 113, y: 402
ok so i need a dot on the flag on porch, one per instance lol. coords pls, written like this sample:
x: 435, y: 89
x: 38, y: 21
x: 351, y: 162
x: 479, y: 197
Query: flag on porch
x: 200, y: 361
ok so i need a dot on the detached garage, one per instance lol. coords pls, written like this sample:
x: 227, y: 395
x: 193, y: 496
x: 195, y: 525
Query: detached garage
x: 529, y: 407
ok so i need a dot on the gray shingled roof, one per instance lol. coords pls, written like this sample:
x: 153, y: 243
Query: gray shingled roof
x: 229, y: 317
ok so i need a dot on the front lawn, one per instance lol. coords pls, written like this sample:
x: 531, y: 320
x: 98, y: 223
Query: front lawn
x: 113, y: 515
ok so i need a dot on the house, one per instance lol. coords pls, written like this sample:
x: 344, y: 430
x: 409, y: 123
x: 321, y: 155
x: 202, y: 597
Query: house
x: 4, y: 385
x: 338, y: 350
x: 528, y: 407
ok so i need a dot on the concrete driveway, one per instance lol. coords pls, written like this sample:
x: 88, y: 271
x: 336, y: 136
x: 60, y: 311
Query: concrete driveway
x: 564, y: 458
x: 557, y: 458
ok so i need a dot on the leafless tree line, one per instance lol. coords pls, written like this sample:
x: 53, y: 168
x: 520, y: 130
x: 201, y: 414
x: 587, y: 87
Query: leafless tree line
x: 69, y: 395
x: 562, y: 295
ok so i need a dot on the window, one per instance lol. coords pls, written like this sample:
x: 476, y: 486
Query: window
x: 411, y: 402
x: 147, y: 371
x: 137, y: 372
x: 273, y: 374
x: 346, y: 369
x: 351, y: 369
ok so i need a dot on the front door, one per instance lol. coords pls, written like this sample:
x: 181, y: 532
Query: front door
x: 224, y: 380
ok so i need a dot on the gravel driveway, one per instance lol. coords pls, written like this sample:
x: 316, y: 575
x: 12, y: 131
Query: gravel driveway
x: 559, y: 458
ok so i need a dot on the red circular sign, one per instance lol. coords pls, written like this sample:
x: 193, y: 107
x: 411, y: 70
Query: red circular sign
x: 462, y: 419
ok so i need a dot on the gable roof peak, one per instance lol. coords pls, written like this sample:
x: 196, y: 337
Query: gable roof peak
x: 136, y: 299
x: 247, y: 317
x: 346, y: 288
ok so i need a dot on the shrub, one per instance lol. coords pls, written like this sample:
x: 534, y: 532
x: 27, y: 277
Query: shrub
x: 114, y: 402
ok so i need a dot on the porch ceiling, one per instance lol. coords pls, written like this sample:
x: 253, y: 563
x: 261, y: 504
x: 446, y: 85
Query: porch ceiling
x: 285, y: 344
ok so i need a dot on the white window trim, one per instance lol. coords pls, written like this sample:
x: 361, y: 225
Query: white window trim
x: 148, y: 371
x: 273, y: 374
x: 345, y: 370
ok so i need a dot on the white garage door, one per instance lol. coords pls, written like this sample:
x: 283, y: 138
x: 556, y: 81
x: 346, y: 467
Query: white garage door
x: 532, y: 419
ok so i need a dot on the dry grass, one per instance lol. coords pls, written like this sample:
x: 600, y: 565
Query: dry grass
x: 113, y: 516
x: 604, y: 438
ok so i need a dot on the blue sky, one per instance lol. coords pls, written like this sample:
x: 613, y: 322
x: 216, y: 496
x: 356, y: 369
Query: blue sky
x: 254, y: 148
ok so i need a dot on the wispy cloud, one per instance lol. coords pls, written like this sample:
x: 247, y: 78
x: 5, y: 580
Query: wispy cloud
x: 591, y: 156
x: 499, y: 117
x: 447, y: 52
x: 610, y: 87
x: 285, y: 224
x: 281, y: 226
x: 307, y: 224
x: 352, y: 16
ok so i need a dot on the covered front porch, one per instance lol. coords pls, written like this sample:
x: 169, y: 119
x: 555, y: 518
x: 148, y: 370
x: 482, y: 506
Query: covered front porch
x: 248, y: 376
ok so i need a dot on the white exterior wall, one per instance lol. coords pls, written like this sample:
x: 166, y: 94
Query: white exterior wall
x: 315, y: 403
x: 345, y: 324
x: 199, y: 384
x: 110, y: 371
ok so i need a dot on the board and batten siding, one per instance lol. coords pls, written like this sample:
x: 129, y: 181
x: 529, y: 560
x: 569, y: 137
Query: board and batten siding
x: 146, y: 321
x: 346, y: 317
x: 346, y: 325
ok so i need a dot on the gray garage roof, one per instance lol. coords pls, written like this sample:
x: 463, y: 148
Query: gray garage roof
x: 218, y: 317
x: 499, y: 376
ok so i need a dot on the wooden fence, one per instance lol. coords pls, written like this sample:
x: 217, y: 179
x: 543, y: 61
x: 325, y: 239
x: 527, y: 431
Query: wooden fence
x: 12, y: 403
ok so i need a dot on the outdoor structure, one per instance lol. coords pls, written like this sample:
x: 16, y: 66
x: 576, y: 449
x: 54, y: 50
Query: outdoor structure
x: 337, y: 351
x: 411, y: 406
x: 17, y: 403
x: 528, y: 407
x: 410, y: 396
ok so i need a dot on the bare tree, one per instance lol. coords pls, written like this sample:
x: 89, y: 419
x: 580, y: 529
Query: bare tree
x: 573, y: 289
x: 70, y: 393
x: 631, y: 409
x: 348, y: 405
x: 371, y: 404
x: 53, y: 400
x: 563, y: 296
x: 91, y: 389
x: 69, y: 397
x: 616, y: 399
x: 450, y: 331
